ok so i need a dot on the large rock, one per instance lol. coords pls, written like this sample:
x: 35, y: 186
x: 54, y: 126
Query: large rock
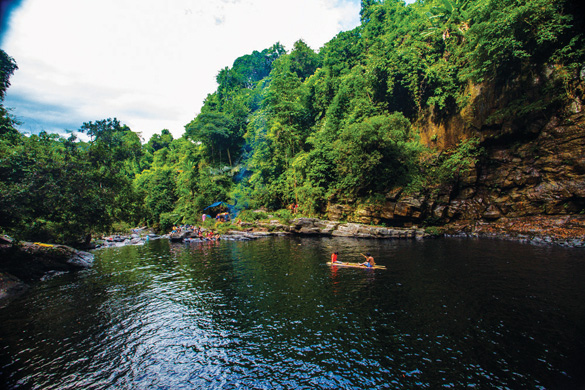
x: 338, y: 212
x: 394, y: 193
x: 367, y: 214
x: 397, y: 210
x: 30, y: 261
x: 5, y: 240
x: 387, y: 210
x: 312, y: 226
x: 80, y: 259
x: 10, y: 288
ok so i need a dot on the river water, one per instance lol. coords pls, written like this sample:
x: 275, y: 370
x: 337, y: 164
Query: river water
x: 270, y: 314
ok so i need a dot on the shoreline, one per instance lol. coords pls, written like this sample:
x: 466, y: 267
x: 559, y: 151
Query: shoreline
x: 28, y: 263
x: 565, y: 231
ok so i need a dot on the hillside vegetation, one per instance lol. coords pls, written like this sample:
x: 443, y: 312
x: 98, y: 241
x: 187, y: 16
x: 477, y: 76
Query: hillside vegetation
x: 386, y: 123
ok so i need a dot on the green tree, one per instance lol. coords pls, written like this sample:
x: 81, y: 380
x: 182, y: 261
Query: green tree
x: 512, y: 37
x: 215, y: 131
x: 159, y: 190
x: 159, y: 141
x: 375, y: 155
x: 112, y: 143
x: 7, y: 68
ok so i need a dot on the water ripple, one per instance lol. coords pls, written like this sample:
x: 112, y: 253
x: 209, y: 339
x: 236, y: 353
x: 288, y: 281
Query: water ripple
x: 269, y: 315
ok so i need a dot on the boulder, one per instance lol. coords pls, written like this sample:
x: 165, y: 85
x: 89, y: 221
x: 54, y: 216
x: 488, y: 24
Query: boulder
x: 439, y: 212
x: 402, y: 209
x: 327, y: 227
x: 347, y: 230
x: 387, y: 210
x: 10, y: 288
x: 5, y: 240
x: 80, y: 259
x: 492, y: 213
x: 367, y: 214
x: 468, y: 176
x: 337, y: 212
x: 30, y: 261
x: 306, y: 226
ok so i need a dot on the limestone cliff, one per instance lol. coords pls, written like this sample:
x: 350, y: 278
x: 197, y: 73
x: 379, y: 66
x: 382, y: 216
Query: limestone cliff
x: 530, y: 182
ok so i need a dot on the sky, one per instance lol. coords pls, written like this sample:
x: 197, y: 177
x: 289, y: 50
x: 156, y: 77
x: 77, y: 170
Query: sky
x: 149, y: 63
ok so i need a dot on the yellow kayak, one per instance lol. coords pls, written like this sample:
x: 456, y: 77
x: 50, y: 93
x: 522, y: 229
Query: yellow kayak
x: 45, y: 245
x: 354, y: 265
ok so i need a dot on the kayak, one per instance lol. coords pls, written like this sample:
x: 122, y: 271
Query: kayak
x: 354, y: 265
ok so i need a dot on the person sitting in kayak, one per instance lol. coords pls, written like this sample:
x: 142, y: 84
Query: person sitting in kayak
x: 370, y: 263
x: 334, y: 257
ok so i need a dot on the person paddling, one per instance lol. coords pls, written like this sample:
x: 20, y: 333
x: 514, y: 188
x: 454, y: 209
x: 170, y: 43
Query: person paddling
x: 370, y: 263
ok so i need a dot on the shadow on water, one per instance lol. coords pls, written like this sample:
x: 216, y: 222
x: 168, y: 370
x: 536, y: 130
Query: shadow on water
x: 455, y: 313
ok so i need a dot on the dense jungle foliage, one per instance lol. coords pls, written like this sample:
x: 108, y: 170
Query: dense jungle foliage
x: 304, y: 127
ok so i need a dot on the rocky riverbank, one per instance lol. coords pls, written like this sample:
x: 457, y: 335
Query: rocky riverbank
x: 22, y: 263
x: 566, y: 230
x: 184, y: 236
x: 259, y: 229
x: 306, y: 227
x: 314, y: 226
x: 563, y: 230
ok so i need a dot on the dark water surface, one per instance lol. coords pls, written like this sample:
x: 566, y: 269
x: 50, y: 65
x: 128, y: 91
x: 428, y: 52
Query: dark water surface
x: 269, y: 314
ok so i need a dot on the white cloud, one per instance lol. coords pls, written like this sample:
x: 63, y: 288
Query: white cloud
x: 150, y: 63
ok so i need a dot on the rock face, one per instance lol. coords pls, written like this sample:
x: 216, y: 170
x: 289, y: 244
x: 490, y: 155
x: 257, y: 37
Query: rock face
x: 543, y: 177
x: 404, y: 212
x: 314, y: 226
x: 529, y: 181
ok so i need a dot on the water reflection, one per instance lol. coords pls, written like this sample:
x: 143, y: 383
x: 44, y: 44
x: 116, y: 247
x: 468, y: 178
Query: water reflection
x: 271, y: 314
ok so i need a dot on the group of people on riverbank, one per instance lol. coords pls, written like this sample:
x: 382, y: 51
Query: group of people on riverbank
x: 198, y: 232
x: 221, y: 217
x: 183, y: 228
x: 207, y: 236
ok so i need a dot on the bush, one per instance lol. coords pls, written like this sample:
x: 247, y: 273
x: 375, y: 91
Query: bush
x: 434, y: 231
x: 52, y: 232
x: 251, y: 216
x: 168, y: 220
x: 465, y: 155
x: 120, y: 227
x: 284, y: 215
x: 224, y: 227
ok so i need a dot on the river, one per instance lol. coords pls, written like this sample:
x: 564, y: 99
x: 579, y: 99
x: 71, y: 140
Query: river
x: 270, y: 314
